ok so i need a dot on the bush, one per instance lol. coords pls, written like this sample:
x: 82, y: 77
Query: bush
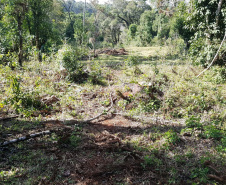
x: 132, y: 60
x: 20, y: 101
x: 193, y: 122
x: 71, y: 57
x: 203, y: 53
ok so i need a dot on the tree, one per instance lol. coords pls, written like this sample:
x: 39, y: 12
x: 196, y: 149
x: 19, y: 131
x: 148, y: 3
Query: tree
x: 208, y: 22
x: 15, y: 11
x: 179, y: 22
x: 39, y: 22
x: 129, y: 11
x: 161, y: 26
x: 145, y: 29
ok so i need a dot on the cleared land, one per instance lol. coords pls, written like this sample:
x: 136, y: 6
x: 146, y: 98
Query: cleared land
x: 165, y: 126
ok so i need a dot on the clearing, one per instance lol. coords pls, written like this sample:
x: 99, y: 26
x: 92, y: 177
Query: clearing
x: 154, y: 126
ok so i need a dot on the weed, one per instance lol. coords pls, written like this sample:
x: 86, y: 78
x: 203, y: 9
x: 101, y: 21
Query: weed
x: 75, y: 139
x: 151, y: 105
x: 193, y: 122
x: 180, y: 159
x: 211, y: 131
x: 22, y: 102
x: 152, y: 161
x: 172, y: 137
x: 200, y: 173
x: 132, y: 60
x: 222, y: 146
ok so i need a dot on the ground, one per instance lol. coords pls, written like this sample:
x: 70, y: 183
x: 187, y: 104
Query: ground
x: 155, y: 123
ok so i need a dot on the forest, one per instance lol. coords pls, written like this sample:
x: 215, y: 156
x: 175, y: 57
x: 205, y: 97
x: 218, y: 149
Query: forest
x: 116, y: 92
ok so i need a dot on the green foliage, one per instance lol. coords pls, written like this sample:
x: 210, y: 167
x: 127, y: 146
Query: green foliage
x: 161, y: 26
x: 222, y: 145
x: 132, y: 60
x: 22, y: 102
x: 145, y: 30
x: 71, y: 58
x: 200, y: 173
x: 95, y: 75
x: 151, y: 105
x: 211, y: 131
x: 133, y: 30
x: 171, y: 137
x: 75, y: 138
x: 178, y: 23
x: 193, y: 122
x: 219, y: 75
x: 209, y: 28
x: 152, y: 161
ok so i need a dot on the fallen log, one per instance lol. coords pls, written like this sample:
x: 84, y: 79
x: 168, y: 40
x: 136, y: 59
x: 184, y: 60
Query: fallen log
x: 23, y: 138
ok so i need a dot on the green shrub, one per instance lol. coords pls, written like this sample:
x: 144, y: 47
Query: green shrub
x: 212, y: 131
x: 132, y: 60
x: 203, y: 53
x: 193, y: 122
x: 172, y: 137
x: 219, y: 75
x: 71, y: 57
x: 22, y: 102
x: 152, y: 161
x: 133, y: 30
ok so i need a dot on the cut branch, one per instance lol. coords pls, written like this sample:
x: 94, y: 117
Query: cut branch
x: 96, y: 117
x: 23, y: 138
x: 215, y: 58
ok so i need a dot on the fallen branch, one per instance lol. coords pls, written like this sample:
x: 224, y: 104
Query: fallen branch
x: 23, y: 138
x: 156, y: 119
x: 7, y: 118
x: 214, y: 59
x: 96, y: 117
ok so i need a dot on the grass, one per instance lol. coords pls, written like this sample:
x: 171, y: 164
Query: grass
x: 167, y: 127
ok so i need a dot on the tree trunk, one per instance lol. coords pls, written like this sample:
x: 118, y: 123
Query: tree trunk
x: 218, y: 11
x: 38, y: 47
x: 20, y: 54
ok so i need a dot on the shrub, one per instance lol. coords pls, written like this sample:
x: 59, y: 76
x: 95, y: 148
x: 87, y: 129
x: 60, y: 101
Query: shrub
x: 20, y: 101
x: 193, y: 122
x: 71, y: 57
x: 212, y: 132
x: 172, y: 137
x: 132, y: 60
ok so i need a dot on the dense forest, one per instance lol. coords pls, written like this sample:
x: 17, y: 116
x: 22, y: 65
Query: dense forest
x: 121, y: 92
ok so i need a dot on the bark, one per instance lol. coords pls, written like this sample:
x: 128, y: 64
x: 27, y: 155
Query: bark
x: 127, y: 23
x: 218, y: 11
x: 38, y: 47
x: 20, y: 54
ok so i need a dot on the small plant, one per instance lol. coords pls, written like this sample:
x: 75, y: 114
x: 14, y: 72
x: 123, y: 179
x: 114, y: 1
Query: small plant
x: 212, y: 131
x: 151, y: 105
x: 132, y: 60
x: 152, y: 161
x: 193, y: 122
x: 172, y: 137
x: 75, y: 139
x: 219, y: 75
x: 71, y: 58
x: 22, y: 102
x: 222, y: 146
x: 201, y: 174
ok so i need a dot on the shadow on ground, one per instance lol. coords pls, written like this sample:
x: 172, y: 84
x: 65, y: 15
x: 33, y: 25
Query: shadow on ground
x: 113, y: 150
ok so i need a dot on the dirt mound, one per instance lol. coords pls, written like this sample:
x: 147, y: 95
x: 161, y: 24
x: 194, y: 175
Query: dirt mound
x: 114, y: 52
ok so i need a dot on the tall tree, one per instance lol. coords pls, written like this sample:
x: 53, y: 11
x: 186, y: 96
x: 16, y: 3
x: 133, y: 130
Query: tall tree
x: 15, y: 11
x: 208, y: 21
x: 40, y: 22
